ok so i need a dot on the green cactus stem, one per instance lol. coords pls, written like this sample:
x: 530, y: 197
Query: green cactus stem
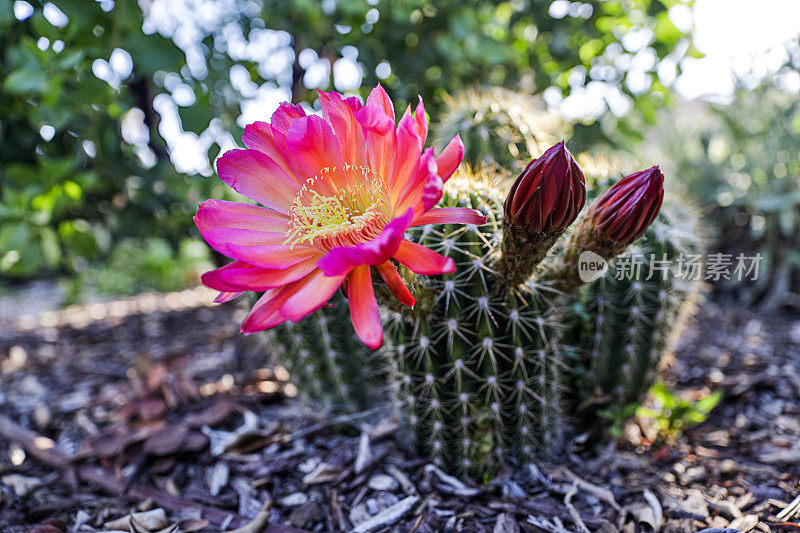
x: 478, y: 372
x: 624, y: 324
x: 498, y: 126
x: 329, y: 365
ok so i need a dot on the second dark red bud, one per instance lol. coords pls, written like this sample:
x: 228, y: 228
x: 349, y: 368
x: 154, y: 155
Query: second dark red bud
x: 626, y: 210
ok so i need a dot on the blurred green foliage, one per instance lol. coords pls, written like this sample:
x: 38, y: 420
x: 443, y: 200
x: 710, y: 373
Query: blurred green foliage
x: 743, y: 163
x: 669, y: 415
x: 99, y: 101
x: 672, y: 415
x: 73, y: 185
x: 141, y: 264
x: 438, y: 48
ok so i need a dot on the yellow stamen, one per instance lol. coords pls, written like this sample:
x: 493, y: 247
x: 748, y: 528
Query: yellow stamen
x: 336, y: 208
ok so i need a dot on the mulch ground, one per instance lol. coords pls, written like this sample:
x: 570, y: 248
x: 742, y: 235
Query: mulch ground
x: 150, y: 414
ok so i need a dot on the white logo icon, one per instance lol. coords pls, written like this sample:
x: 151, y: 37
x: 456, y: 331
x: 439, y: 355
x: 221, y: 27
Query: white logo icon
x: 591, y: 266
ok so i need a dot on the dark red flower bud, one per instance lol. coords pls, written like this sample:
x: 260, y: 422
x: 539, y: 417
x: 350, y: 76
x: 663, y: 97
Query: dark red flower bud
x: 626, y: 210
x: 543, y: 202
x: 548, y: 195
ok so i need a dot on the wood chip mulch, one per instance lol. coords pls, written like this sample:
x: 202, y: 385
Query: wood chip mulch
x: 149, y: 414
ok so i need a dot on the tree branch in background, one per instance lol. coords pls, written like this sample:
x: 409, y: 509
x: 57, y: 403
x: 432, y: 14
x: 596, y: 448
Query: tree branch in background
x: 143, y: 98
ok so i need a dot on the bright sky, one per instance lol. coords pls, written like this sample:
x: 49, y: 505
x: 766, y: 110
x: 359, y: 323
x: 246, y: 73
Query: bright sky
x: 736, y: 36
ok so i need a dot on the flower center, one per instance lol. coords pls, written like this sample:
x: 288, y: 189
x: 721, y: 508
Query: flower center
x: 339, y: 207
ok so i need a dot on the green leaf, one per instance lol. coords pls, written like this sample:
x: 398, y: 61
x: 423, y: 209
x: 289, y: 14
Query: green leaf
x: 665, y: 396
x: 7, y: 13
x: 646, y: 412
x: 69, y: 60
x: 26, y: 81
x: 14, y: 236
x: 707, y: 404
x: 152, y: 53
x: 51, y: 249
x: 20, y: 252
x: 78, y: 237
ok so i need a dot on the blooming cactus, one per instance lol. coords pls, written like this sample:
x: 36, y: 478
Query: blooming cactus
x: 338, y: 193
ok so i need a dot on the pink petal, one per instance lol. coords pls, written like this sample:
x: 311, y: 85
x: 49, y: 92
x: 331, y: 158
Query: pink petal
x: 409, y: 149
x: 311, y: 146
x: 450, y: 158
x: 343, y: 259
x: 257, y: 176
x: 258, y: 136
x: 271, y: 255
x: 364, y: 308
x: 395, y: 283
x: 222, y: 214
x: 425, y: 190
x: 345, y: 126
x: 226, y: 297
x: 315, y: 291
x: 222, y: 239
x: 428, y: 178
x: 431, y: 193
x: 421, y: 121
x: 377, y: 120
x: 374, y: 120
x: 354, y: 103
x: 378, y: 97
x: 279, y: 123
x: 450, y: 215
x: 423, y: 260
x: 239, y: 276
x: 265, y: 313
x: 223, y: 224
x: 283, y: 116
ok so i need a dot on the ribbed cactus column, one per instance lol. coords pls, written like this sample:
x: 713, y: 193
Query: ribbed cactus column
x: 493, y: 355
x: 632, y: 314
x: 499, y: 126
x: 326, y: 361
x: 478, y: 366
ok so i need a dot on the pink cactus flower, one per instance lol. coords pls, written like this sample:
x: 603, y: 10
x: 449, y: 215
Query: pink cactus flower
x: 338, y: 192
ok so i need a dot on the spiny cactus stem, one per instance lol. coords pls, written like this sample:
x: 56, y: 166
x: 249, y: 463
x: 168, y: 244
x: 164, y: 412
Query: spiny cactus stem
x: 522, y: 252
x: 565, y: 274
